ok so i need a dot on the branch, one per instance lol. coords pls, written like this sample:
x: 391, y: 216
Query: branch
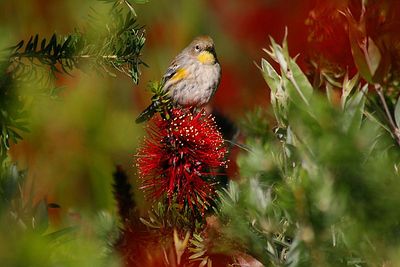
x: 389, y: 117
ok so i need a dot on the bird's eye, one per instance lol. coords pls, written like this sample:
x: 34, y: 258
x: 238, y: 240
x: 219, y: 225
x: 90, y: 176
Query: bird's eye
x: 197, y: 48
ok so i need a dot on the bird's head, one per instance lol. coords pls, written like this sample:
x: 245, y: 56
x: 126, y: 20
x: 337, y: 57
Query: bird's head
x: 202, y: 48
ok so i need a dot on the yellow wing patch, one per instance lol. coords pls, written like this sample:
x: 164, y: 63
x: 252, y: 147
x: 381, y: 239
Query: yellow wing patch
x: 179, y: 75
x: 206, y: 57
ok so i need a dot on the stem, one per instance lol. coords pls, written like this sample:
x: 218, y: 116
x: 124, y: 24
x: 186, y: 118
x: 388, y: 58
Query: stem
x: 40, y: 55
x: 91, y: 56
x: 395, y: 129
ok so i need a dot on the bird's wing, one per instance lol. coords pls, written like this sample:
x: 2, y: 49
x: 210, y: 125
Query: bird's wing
x: 171, y: 71
x: 175, y: 71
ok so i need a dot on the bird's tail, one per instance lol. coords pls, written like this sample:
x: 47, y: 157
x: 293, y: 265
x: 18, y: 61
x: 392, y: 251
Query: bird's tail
x: 147, y: 113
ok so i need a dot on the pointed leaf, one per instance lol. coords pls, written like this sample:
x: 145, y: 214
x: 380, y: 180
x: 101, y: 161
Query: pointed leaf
x: 330, y: 93
x: 197, y: 255
x: 347, y: 87
x: 397, y: 113
x: 374, y: 56
x: 300, y: 82
x: 270, y: 76
x: 41, y: 219
x: 43, y: 44
x: 35, y: 42
x: 278, y: 55
x: 358, y: 42
x: 17, y: 47
x: 354, y: 110
x: 28, y: 46
x: 60, y: 233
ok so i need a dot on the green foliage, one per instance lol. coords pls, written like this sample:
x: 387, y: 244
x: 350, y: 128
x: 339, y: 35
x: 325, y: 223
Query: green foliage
x: 264, y: 237
x: 69, y: 248
x: 12, y: 112
x: 116, y: 45
x: 110, y: 42
x: 120, y: 47
x: 367, y: 56
x: 397, y: 113
x: 118, y: 3
x: 321, y: 189
x: 160, y: 102
x: 47, y: 54
x: 373, y: 62
x: 10, y: 180
x: 18, y: 208
x: 166, y: 218
x: 28, y: 239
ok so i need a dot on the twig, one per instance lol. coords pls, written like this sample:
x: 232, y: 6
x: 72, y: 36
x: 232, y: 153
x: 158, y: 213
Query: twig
x: 241, y: 146
x: 395, y: 129
x: 94, y: 56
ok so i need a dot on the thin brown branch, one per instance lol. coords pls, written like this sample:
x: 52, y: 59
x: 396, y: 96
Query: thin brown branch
x: 394, y: 128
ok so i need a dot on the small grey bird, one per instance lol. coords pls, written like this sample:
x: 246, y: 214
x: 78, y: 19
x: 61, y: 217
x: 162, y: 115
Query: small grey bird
x: 192, y: 77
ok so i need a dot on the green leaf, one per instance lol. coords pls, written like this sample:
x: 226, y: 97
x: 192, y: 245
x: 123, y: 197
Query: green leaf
x: 40, y: 221
x: 329, y: 93
x: 353, y: 112
x: 347, y: 87
x: 197, y: 255
x: 130, y: 7
x: 356, y: 40
x: 270, y: 76
x: 140, y: 1
x: 60, y: 233
x: 17, y: 47
x: 397, y: 113
x: 28, y: 46
x: 35, y: 42
x: 293, y: 79
x: 278, y: 95
x: 373, y: 56
x: 366, y: 54
x: 43, y: 44
x: 298, y: 84
x: 276, y: 53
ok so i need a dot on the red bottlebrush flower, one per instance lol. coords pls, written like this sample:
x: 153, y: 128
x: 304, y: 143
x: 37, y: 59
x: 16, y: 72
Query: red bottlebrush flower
x: 180, y: 157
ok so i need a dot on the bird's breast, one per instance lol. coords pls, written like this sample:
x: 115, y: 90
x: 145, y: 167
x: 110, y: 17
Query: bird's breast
x: 198, y: 87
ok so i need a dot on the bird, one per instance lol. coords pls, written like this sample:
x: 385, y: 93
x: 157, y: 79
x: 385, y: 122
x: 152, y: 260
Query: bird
x: 191, y: 79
